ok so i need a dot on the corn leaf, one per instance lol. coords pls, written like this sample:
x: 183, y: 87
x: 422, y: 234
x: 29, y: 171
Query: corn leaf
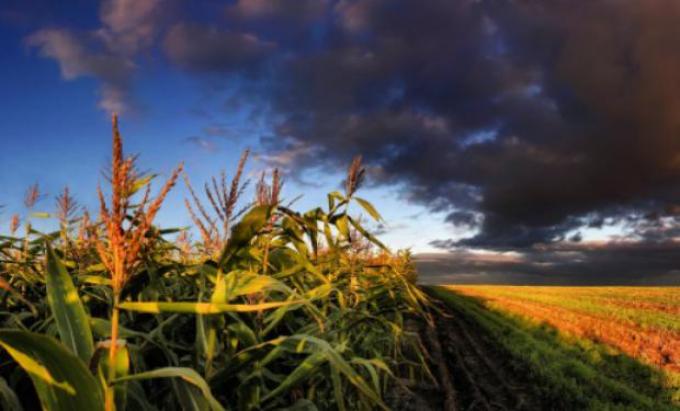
x: 94, y: 279
x: 61, y: 379
x: 40, y: 214
x: 158, y: 307
x: 305, y: 370
x: 249, y: 283
x: 69, y: 313
x: 244, y: 231
x: 101, y: 328
x: 369, y: 208
x: 189, y: 397
x: 137, y: 397
x: 8, y: 398
x: 302, y: 404
x: 343, y: 226
x: 186, y: 374
x: 343, y: 367
x: 370, y: 237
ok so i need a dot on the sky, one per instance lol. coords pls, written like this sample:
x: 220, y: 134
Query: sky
x: 505, y: 141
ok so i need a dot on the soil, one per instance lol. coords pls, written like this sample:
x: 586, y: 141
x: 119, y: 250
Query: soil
x: 471, y: 372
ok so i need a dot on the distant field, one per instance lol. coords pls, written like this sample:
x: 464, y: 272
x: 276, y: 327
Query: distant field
x: 643, y: 322
x: 585, y: 347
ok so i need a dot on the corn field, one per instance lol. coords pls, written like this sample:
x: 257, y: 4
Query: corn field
x: 269, y: 308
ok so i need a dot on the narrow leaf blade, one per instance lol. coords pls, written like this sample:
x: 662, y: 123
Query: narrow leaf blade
x: 61, y: 380
x: 186, y: 374
x: 157, y: 307
x: 72, y: 321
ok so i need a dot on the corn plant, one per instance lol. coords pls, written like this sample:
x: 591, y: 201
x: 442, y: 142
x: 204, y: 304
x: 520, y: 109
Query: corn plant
x: 272, y: 308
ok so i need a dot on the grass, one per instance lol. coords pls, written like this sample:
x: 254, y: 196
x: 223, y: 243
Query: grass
x: 651, y: 308
x: 641, y: 322
x: 269, y: 308
x: 571, y: 371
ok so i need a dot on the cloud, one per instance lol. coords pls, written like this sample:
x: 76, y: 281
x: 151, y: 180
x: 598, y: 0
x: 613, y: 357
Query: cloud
x: 75, y: 61
x: 218, y: 130
x: 207, y: 49
x: 286, y: 159
x: 522, y: 121
x: 201, y: 143
x: 279, y: 10
x: 618, y: 263
x: 106, y: 53
x: 129, y: 25
x: 530, y: 117
x: 381, y: 229
x: 291, y: 22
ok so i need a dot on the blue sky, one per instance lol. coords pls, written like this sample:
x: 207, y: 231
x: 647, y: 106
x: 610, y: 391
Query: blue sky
x: 54, y: 134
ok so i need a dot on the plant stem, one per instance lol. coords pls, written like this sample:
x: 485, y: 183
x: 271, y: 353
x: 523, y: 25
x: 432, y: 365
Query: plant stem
x: 109, y: 394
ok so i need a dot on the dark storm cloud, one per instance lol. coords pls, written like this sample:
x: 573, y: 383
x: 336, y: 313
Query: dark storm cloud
x: 532, y: 114
x: 524, y: 121
x: 209, y: 49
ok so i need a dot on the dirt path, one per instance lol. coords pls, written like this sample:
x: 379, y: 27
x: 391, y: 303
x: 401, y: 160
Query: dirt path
x: 473, y: 374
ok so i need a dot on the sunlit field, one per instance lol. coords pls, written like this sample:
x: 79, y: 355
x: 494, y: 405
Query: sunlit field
x: 643, y: 322
x: 601, y: 344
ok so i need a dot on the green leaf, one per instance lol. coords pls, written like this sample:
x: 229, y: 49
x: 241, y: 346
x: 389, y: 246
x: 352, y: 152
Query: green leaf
x: 249, y: 283
x: 186, y: 374
x: 370, y: 237
x: 343, y: 367
x: 60, y: 378
x: 8, y: 398
x: 244, y: 231
x: 158, y: 307
x: 338, y: 392
x: 332, y: 197
x: 305, y: 370
x: 369, y: 208
x: 302, y: 404
x: 94, y: 279
x: 343, y: 226
x: 68, y: 311
x: 39, y: 214
x: 96, y: 268
x: 189, y: 397
x: 208, y: 326
x: 339, y: 366
x: 141, y: 183
x: 245, y: 335
x: 101, y: 328
x: 137, y: 397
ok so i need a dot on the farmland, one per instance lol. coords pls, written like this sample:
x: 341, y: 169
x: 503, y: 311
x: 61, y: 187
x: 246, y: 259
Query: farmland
x: 641, y: 322
x: 579, y: 347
